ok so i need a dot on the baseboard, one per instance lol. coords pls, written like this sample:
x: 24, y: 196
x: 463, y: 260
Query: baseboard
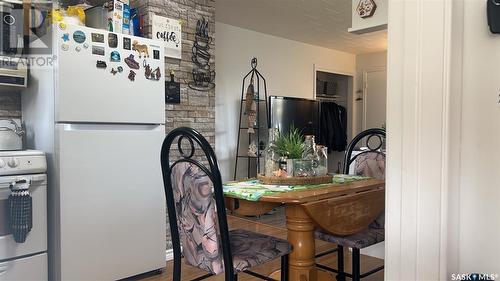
x: 169, y: 255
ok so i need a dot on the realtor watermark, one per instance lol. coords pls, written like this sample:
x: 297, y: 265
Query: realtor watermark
x: 28, y: 62
x: 27, y: 46
x: 473, y: 276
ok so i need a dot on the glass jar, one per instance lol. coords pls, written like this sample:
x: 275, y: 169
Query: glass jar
x: 272, y: 159
x: 310, y: 152
x: 322, y: 167
x: 309, y: 148
x: 303, y: 168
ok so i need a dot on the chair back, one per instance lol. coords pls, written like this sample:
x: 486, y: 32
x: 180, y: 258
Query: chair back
x: 371, y: 161
x: 195, y: 202
x: 374, y: 140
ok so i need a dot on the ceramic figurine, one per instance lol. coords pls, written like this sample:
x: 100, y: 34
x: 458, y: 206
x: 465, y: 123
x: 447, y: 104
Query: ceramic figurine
x: 252, y: 150
x: 251, y: 108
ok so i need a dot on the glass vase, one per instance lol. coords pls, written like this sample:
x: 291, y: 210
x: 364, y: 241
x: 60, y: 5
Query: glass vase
x: 272, y: 159
x: 309, y: 148
x: 322, y: 156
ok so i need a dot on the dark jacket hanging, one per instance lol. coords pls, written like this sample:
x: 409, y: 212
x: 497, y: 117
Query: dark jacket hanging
x: 333, y: 126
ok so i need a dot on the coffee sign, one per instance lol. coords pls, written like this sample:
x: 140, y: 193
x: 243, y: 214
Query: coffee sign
x: 170, y: 32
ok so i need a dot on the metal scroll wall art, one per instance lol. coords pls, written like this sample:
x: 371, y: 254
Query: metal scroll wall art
x: 203, y: 75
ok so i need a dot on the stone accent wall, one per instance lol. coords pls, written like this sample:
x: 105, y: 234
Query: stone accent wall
x: 197, y: 109
x: 10, y: 104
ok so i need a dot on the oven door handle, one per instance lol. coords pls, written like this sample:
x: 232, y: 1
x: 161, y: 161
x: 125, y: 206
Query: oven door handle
x: 5, y: 184
x: 37, y: 179
x: 18, y: 180
x: 32, y: 180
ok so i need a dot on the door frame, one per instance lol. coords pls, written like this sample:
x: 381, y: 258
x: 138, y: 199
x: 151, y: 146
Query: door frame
x: 365, y: 90
x: 424, y: 92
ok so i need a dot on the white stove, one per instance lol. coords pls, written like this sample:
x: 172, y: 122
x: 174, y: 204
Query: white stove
x: 25, y: 260
x: 22, y: 162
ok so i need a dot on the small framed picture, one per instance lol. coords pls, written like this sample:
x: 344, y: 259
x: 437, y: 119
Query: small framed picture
x: 172, y: 92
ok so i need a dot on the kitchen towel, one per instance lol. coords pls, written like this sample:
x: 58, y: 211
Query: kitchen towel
x: 21, y: 211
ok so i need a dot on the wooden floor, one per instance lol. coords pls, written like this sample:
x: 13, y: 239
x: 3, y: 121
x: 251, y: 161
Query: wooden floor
x: 188, y: 272
x: 275, y: 218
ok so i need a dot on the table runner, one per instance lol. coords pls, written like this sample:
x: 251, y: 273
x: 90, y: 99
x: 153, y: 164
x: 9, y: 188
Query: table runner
x: 253, y: 190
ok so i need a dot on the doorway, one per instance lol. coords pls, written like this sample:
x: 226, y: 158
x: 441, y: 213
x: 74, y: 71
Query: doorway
x: 331, y: 86
x: 375, y: 98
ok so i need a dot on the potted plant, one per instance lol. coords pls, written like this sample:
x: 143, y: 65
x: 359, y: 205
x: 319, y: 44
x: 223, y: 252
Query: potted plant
x: 289, y: 146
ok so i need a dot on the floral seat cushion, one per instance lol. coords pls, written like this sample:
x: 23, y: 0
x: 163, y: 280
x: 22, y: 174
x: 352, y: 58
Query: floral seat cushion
x: 372, y: 235
x: 370, y: 164
x: 250, y: 249
x: 199, y: 231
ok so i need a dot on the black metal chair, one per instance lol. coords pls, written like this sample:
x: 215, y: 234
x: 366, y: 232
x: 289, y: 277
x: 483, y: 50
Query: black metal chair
x: 197, y: 215
x: 375, y: 232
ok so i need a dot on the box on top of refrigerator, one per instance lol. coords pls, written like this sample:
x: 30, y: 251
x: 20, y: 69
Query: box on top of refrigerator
x: 116, y: 15
x: 126, y: 19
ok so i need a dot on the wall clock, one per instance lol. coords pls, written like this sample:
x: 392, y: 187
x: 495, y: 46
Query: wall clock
x: 366, y: 8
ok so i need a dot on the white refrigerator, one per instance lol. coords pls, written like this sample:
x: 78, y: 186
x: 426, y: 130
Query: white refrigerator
x: 98, y: 112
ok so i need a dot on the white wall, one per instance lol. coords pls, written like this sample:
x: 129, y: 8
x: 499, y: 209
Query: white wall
x: 365, y: 62
x: 287, y: 66
x: 479, y: 172
x: 443, y: 174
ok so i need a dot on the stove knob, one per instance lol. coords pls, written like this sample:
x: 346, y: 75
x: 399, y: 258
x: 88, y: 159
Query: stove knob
x: 2, y: 163
x: 13, y: 162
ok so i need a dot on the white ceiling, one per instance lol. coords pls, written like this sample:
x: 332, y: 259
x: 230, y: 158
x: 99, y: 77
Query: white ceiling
x: 318, y: 22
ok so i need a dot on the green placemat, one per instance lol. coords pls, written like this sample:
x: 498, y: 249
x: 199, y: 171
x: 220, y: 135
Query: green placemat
x: 253, y: 190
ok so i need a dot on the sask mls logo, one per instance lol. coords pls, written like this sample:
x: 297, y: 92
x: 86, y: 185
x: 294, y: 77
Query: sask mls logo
x: 474, y: 276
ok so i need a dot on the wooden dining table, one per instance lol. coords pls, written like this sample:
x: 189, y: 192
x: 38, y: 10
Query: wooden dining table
x: 341, y: 209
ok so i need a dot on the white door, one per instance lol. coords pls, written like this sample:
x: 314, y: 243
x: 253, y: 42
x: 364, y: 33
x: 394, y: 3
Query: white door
x: 113, y: 214
x: 375, y: 98
x: 87, y: 93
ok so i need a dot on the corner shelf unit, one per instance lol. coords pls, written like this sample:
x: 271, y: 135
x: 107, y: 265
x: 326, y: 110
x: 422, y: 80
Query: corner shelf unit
x: 253, y: 162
